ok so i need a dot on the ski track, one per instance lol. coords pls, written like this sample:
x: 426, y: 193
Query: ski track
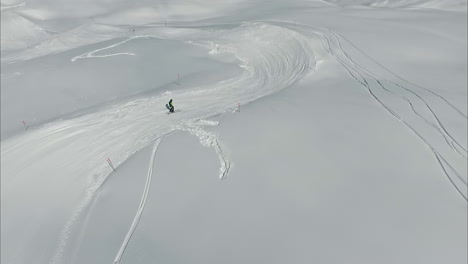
x: 208, y: 139
x: 90, y: 54
x: 273, y: 58
x: 422, y: 119
x: 137, y: 218
x: 274, y: 55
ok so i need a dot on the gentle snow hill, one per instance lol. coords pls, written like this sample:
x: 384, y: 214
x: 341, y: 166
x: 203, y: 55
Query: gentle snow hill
x: 310, y: 132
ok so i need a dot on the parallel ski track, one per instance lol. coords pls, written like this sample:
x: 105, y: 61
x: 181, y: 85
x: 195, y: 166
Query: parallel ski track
x: 276, y: 67
x: 446, y: 166
x: 141, y: 207
x: 82, y: 144
x: 331, y: 42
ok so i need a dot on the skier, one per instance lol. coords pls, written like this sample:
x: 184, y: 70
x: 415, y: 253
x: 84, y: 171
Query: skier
x: 170, y: 106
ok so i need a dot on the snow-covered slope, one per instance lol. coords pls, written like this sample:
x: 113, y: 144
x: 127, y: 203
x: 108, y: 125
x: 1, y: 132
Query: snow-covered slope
x: 338, y: 129
x: 20, y: 33
x: 451, y: 5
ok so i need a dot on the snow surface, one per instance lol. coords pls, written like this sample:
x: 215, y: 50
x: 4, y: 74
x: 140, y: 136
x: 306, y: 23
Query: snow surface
x: 309, y: 131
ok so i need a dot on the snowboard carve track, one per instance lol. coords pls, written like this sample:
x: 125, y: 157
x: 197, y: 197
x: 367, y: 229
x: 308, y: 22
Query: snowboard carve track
x: 126, y: 128
x: 422, y: 120
x: 366, y: 78
x: 123, y: 129
x: 404, y: 80
x: 141, y: 207
x: 439, y: 126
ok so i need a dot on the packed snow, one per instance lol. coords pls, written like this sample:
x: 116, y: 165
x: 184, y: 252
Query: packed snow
x: 324, y: 131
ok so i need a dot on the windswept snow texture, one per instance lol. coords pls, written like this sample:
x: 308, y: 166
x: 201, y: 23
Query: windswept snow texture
x: 322, y: 131
x: 451, y: 5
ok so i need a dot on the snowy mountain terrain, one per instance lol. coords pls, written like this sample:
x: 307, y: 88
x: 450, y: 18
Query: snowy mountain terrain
x: 324, y: 131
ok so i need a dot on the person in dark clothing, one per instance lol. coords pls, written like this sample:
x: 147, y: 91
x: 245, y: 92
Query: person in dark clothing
x: 170, y: 106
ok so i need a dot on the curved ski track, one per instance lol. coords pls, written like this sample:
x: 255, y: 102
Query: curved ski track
x: 136, y: 220
x: 72, y: 152
x: 411, y: 104
x: 274, y: 56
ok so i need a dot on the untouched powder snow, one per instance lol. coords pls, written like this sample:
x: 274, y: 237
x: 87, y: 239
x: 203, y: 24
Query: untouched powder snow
x: 20, y: 33
x: 338, y: 129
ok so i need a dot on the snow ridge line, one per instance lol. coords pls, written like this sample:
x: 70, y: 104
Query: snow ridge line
x: 136, y: 220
